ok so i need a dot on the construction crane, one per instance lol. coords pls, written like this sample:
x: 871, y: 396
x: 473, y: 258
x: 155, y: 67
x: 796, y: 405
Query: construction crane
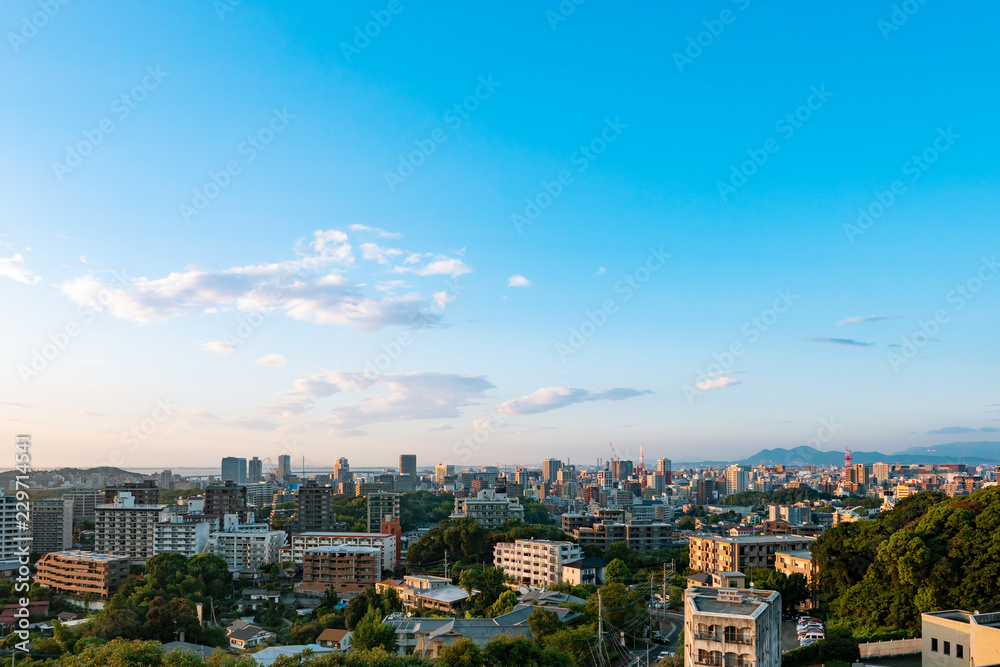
x: 616, y: 457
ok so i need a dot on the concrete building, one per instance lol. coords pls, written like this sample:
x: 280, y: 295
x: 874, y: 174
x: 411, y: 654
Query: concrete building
x: 381, y: 505
x: 342, y: 471
x: 84, y: 502
x: 535, y: 563
x: 145, y: 492
x: 284, y: 467
x: 643, y: 536
x: 408, y: 466
x: 51, y: 525
x: 550, y: 470
x: 255, y: 471
x: 234, y: 470
x: 442, y: 471
x: 585, y: 571
x: 262, y: 493
x: 126, y: 528
x: 166, y: 480
x: 226, y: 498
x: 489, y: 508
x: 715, y: 553
x: 737, y: 479
x: 957, y: 638
x: 795, y: 561
x: 385, y: 542
x: 664, y: 468
x: 186, y: 534
x: 734, y: 627
x: 347, y: 569
x: 314, y: 506
x: 246, y: 549
x: 78, y: 573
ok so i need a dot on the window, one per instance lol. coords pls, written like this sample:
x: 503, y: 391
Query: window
x: 959, y: 651
x: 947, y: 648
x: 934, y: 646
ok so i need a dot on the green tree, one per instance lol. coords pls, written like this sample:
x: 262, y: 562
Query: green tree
x: 371, y: 632
x: 484, y: 586
x: 617, y: 572
x: 544, y: 622
x: 686, y: 523
x: 461, y: 653
x: 504, y: 604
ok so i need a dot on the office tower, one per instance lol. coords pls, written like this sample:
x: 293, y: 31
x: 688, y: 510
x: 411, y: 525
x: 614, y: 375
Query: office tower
x: 621, y: 469
x: 737, y: 479
x: 861, y: 473
x: 549, y: 469
x: 881, y: 472
x: 145, y: 492
x: 441, y: 471
x: 315, y: 507
x: 408, y: 466
x: 51, y: 525
x: 255, y: 472
x: 381, y: 505
x: 284, y: 467
x: 566, y: 474
x: 405, y: 484
x: 234, y: 470
x: 166, y: 480
x: 521, y: 476
x: 226, y: 498
x: 342, y: 471
x: 665, y: 468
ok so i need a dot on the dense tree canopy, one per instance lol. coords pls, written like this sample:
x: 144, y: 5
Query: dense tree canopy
x: 465, y: 540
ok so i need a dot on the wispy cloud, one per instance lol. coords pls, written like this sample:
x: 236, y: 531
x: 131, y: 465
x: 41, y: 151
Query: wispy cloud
x: 217, y: 347
x: 381, y: 233
x: 600, y: 271
x: 277, y: 360
x: 319, y: 286
x: 203, y: 418
x: 441, y: 427
x: 553, y: 398
x: 717, y: 383
x: 517, y: 280
x: 13, y: 267
x: 838, y: 341
x: 957, y: 430
x: 14, y: 405
x: 861, y: 319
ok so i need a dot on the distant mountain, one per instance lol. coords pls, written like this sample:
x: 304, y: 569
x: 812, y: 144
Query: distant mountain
x: 953, y: 452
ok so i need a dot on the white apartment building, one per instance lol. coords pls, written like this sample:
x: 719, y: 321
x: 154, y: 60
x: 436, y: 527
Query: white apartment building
x: 260, y: 494
x: 302, y: 542
x: 186, y: 534
x: 124, y: 528
x: 737, y: 479
x: 732, y: 627
x: 10, y: 530
x: 536, y: 563
x: 247, y: 549
x: 489, y: 508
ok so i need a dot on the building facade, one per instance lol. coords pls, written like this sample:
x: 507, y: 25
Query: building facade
x: 185, y: 534
x: 489, y: 508
x: 381, y: 505
x: 234, y: 470
x: 348, y: 570
x: 314, y: 505
x: 79, y: 573
x: 385, y: 542
x: 536, y: 563
x: 733, y: 627
x: 126, y: 528
x: 715, y: 553
x: 51, y: 525
x: 408, y: 465
x: 247, y: 549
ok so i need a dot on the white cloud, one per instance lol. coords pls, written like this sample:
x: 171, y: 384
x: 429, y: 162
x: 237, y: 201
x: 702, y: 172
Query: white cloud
x: 272, y: 360
x: 14, y: 268
x: 316, y: 287
x: 717, y: 383
x: 381, y: 233
x: 391, y: 397
x: 218, y: 347
x: 600, y: 271
x: 861, y: 319
x: 553, y: 398
x: 205, y: 419
x: 517, y: 280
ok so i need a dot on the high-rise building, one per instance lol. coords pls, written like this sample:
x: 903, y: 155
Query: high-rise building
x: 621, y: 469
x: 737, y: 479
x: 234, y: 470
x: 223, y: 499
x: 342, y: 471
x: 441, y: 471
x: 348, y: 570
x: 166, y: 480
x: 664, y: 467
x: 408, y: 466
x: 284, y: 467
x: 255, y: 473
x: 381, y: 505
x: 145, y: 492
x: 489, y: 508
x: 84, y: 501
x: 315, y: 507
x: 880, y: 471
x: 736, y: 626
x: 51, y: 525
x: 405, y: 484
x: 126, y: 528
x: 550, y: 468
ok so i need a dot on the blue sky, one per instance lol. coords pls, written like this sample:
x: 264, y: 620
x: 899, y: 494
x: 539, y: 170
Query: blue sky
x: 237, y: 316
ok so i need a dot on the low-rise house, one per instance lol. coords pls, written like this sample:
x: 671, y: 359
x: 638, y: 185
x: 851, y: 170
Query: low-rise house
x: 243, y: 635
x: 585, y: 571
x: 425, y: 637
x: 339, y: 640
x: 429, y: 593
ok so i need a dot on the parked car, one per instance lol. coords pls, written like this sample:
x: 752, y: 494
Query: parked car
x: 812, y: 636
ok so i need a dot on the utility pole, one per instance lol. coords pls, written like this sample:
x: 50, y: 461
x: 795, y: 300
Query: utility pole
x: 445, y: 564
x: 600, y: 625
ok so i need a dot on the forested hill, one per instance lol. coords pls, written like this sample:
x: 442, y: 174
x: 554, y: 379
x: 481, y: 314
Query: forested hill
x: 929, y: 553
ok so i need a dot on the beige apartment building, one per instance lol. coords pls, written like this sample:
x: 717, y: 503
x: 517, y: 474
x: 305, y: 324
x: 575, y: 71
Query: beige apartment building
x: 303, y: 542
x: 126, y: 528
x: 536, y: 563
x: 715, y: 553
x: 795, y: 561
x: 347, y: 570
x: 957, y: 638
x: 732, y: 627
x: 489, y: 508
x: 81, y: 572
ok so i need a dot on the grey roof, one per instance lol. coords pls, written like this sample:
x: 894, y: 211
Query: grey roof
x: 585, y: 563
x: 188, y: 647
x: 248, y: 632
x: 478, y: 628
x: 550, y: 597
x: 519, y: 615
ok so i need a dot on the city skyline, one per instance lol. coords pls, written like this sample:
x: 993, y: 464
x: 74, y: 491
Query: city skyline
x: 497, y: 253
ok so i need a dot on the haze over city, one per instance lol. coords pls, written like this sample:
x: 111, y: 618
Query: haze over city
x: 259, y: 233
